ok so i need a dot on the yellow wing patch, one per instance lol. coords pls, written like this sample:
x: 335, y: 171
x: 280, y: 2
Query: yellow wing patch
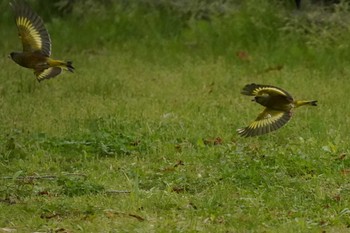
x: 47, y: 73
x: 257, y: 89
x: 269, y: 91
x: 266, y: 122
x: 31, y: 28
x: 29, y: 35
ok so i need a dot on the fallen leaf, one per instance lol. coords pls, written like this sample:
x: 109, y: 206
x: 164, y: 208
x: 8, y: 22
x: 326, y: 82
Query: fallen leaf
x: 243, y: 56
x: 337, y: 197
x: 61, y: 230
x: 179, y: 162
x: 342, y: 156
x: 171, y: 169
x: 213, y: 141
x: 49, y: 216
x: 43, y: 193
x: 178, y: 189
x: 345, y: 172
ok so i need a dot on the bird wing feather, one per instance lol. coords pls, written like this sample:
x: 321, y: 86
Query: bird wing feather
x: 31, y: 29
x: 266, y: 122
x: 257, y: 89
x: 47, y: 73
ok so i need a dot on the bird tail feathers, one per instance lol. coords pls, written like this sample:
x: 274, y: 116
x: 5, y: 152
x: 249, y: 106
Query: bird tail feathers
x: 299, y: 103
x: 66, y: 65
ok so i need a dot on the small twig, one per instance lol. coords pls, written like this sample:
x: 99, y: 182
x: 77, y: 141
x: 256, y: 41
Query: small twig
x: 112, y: 213
x: 76, y: 174
x: 141, y: 219
x: 48, y: 177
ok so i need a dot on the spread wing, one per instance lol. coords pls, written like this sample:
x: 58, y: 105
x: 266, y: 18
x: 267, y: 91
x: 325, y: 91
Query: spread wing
x: 31, y: 28
x: 267, y: 121
x: 47, y: 73
x: 257, y: 89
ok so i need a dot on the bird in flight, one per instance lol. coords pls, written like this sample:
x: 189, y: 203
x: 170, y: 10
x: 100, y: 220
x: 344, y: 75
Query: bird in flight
x: 278, y: 108
x: 36, y: 44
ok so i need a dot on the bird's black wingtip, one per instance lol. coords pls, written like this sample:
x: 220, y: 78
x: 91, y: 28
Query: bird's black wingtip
x: 248, y: 89
x: 70, y: 67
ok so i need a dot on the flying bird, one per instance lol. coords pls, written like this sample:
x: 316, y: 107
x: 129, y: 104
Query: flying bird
x: 36, y: 44
x: 278, y: 108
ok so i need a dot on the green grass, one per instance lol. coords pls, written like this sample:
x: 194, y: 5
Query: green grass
x: 155, y: 114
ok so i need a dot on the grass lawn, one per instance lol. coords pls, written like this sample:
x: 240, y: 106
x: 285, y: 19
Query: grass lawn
x: 138, y: 140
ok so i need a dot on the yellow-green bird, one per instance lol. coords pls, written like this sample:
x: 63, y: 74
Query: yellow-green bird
x: 278, y: 108
x: 36, y: 44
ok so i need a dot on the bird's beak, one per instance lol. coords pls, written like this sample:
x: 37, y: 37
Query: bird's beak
x: 9, y: 56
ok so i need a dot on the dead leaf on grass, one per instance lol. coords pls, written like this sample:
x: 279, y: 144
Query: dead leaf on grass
x: 342, y: 156
x: 243, y: 56
x: 135, y: 143
x: 44, y: 193
x: 61, y: 230
x: 345, y: 172
x: 192, y: 205
x: 178, y: 163
x: 178, y: 189
x: 213, y: 141
x: 337, y: 197
x: 11, y: 200
x: 49, y: 216
x: 173, y: 168
x: 178, y: 147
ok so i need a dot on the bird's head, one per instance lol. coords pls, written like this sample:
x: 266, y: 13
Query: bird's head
x: 15, y: 56
x: 11, y: 55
